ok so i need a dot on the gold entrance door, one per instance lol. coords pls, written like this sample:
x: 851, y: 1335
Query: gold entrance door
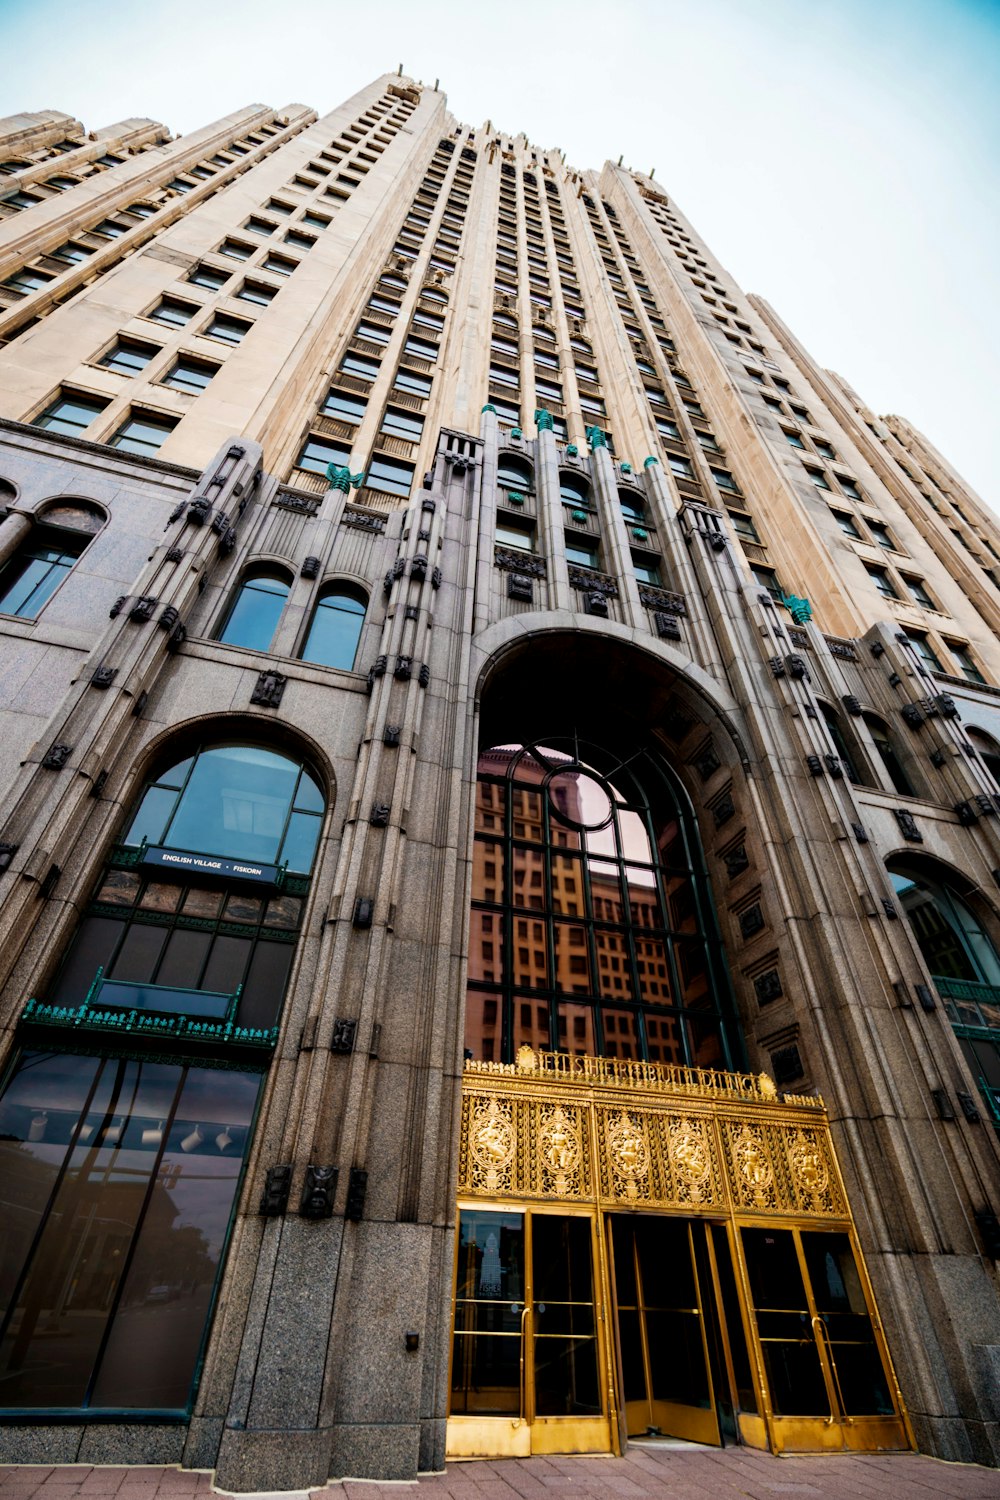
x: 668, y: 1384
x: 827, y: 1374
x: 528, y: 1359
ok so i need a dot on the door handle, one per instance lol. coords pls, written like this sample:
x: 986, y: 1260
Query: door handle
x: 525, y: 1315
x: 823, y: 1334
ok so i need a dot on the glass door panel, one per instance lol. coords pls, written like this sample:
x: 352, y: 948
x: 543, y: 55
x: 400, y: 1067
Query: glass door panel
x: 862, y: 1387
x: 486, y: 1371
x: 666, y: 1375
x: 792, y: 1363
x: 564, y: 1329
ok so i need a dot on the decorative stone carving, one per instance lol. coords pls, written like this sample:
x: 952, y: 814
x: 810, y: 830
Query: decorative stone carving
x: 424, y: 675
x: 667, y: 626
x: 268, y: 690
x: 357, y: 1189
x: 345, y: 1031
x: 318, y: 1192
x: 751, y: 921
x: 56, y: 757
x: 908, y: 825
x: 379, y: 815
x: 391, y: 736
x: 310, y: 567
x: 277, y: 1186
x: 143, y: 608
x: 736, y: 861
x: 103, y: 677
x: 519, y: 586
x: 912, y: 715
x: 853, y: 705
x: 403, y: 669
x: 767, y: 987
x: 512, y: 561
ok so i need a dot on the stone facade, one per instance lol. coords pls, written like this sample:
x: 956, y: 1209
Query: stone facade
x: 576, y: 477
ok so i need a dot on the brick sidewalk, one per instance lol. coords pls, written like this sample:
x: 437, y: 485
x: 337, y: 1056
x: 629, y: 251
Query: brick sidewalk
x: 658, y: 1472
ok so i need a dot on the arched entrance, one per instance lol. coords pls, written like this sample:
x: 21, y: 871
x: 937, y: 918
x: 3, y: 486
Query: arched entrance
x: 649, y: 1241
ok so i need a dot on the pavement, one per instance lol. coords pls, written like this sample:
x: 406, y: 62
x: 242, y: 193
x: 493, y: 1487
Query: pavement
x: 659, y: 1471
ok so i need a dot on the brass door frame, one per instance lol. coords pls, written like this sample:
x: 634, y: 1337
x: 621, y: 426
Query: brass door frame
x: 504, y: 1436
x: 572, y: 1134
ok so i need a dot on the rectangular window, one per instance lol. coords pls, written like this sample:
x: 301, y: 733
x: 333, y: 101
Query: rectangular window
x: 882, y: 535
x: 279, y: 264
x: 391, y: 475
x: 317, y: 453
x: 847, y: 485
x: 128, y: 356
x: 299, y: 241
x: 236, y: 249
x: 681, y: 467
x: 725, y: 480
x: 846, y: 523
x: 318, y: 221
x: 924, y: 650
x: 143, y: 433
x: 402, y: 424
x: 21, y: 200
x: 259, y: 226
x: 357, y: 364
x: 509, y: 534
x: 506, y: 411
x: 228, y: 330
x: 179, y: 185
x: 417, y: 385
x: 645, y: 570
x: 208, y: 276
x: 818, y: 478
x: 275, y: 206
x: 743, y: 526
x: 880, y: 578
x: 584, y: 554
x: 420, y: 349
x: 190, y: 375
x: 172, y: 311
x: 71, y: 413
x: 918, y: 589
x: 26, y: 281
x: 966, y: 661
x: 257, y: 291
x: 344, y: 407
x: 767, y: 578
x: 71, y: 253
x: 794, y: 438
x: 373, y: 332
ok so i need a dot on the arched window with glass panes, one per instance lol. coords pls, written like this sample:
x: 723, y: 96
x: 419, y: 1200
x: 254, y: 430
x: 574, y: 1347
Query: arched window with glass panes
x: 592, y: 928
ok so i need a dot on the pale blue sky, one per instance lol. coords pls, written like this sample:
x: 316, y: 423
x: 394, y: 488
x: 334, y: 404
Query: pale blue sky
x: 839, y: 158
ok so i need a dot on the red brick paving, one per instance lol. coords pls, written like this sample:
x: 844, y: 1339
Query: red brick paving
x: 645, y: 1473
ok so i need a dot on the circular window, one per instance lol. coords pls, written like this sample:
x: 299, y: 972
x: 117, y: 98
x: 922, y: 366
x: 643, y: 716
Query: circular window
x: 578, y: 798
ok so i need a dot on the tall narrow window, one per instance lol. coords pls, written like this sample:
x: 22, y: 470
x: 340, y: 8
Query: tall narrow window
x: 255, y: 612
x: 31, y: 576
x: 335, y: 629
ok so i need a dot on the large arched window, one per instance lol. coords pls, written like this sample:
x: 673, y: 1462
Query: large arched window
x: 964, y: 963
x: 123, y: 1138
x: 514, y: 472
x: 255, y: 611
x: 890, y: 759
x: 574, y: 490
x: 335, y: 630
x: 58, y: 537
x: 847, y: 757
x: 592, y: 930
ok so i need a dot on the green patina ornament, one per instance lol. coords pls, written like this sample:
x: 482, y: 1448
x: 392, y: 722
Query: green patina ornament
x: 543, y: 420
x: 799, y: 609
x: 515, y: 497
x: 626, y: 468
x: 572, y: 451
x: 596, y: 438
x: 639, y: 534
x: 579, y: 515
x: 488, y: 407
x: 648, y: 461
x: 341, y: 478
x: 516, y: 432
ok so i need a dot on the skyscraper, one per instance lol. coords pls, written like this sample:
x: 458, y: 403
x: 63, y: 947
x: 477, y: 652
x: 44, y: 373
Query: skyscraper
x: 501, y: 945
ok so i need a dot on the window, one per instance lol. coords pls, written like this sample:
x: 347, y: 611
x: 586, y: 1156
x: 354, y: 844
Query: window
x: 374, y: 333
x: 209, y: 277
x: 190, y: 375
x: 257, y: 291
x: 924, y: 650
x: 725, y: 480
x: 514, y: 472
x: 26, y: 282
x: 260, y: 226
x: 71, y: 253
x: 71, y: 413
x: 143, y: 433
x: 847, y: 485
x: 420, y: 349
x: 966, y: 661
x: 743, y: 526
x: 317, y: 221
x: 299, y: 241
x: 236, y: 249
x: 179, y: 185
x: 645, y: 569
x: 30, y: 577
x: 824, y: 449
x: 513, y: 534
x: 172, y: 311
x: 584, y: 554
x: 840, y: 743
x: 570, y: 862
x: 847, y: 524
x: 418, y: 385
x: 390, y: 475
x: 279, y: 264
x: 919, y: 592
x: 882, y: 535
x: 335, y: 630
x: 880, y: 578
x: 818, y: 478
x: 317, y: 454
x: 275, y: 206
x: 767, y: 578
x: 128, y: 356
x: 254, y: 614
x: 890, y: 760
x: 402, y: 424
x: 344, y: 407
x: 22, y: 200
x: 681, y: 467
x: 227, y: 329
x: 360, y: 365
x: 794, y: 438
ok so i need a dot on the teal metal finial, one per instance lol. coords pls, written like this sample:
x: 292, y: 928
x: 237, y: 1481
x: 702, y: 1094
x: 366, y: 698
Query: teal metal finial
x: 646, y: 462
x: 490, y: 407
x: 341, y: 478
x: 596, y: 438
x: 626, y: 468
x: 799, y: 609
x: 516, y: 432
x: 543, y: 420
x: 572, y: 451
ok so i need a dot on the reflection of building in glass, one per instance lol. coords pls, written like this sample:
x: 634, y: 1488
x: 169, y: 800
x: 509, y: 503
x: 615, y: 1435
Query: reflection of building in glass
x: 345, y: 586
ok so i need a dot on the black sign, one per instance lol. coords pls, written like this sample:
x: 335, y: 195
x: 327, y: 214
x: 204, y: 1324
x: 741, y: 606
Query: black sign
x: 214, y: 867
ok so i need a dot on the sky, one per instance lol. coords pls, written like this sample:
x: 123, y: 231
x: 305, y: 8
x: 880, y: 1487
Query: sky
x: 840, y: 157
